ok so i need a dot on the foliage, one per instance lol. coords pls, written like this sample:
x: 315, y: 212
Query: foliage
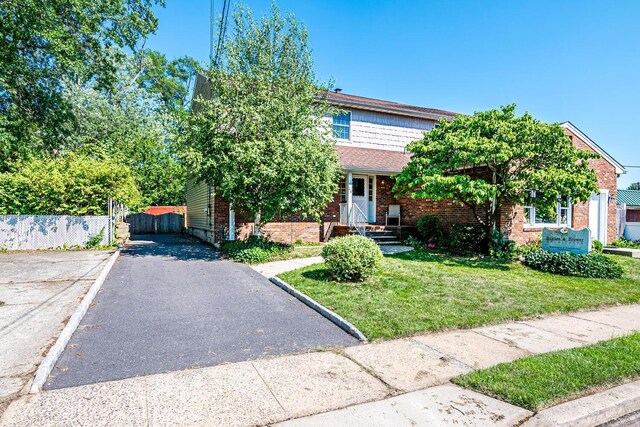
x: 492, y: 157
x: 260, y: 138
x: 423, y: 290
x: 566, y: 264
x: 501, y: 247
x: 68, y: 185
x: 95, y: 240
x: 414, y: 242
x: 47, y: 43
x: 130, y: 127
x: 465, y: 238
x: 622, y: 242
x: 351, y: 258
x: 597, y: 246
x: 430, y: 229
x: 254, y: 250
x: 634, y: 186
x: 533, y: 245
x: 543, y: 380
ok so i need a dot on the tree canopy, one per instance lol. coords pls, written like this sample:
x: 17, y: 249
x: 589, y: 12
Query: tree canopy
x: 634, y: 186
x: 260, y: 138
x: 492, y: 157
x: 45, y: 43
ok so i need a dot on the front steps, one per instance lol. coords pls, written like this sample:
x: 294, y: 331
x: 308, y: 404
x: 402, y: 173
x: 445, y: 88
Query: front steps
x: 381, y: 235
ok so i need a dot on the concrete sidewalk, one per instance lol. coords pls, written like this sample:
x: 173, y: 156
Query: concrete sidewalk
x: 272, y: 390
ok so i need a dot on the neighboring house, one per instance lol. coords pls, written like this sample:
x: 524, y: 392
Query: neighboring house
x: 159, y: 210
x: 629, y: 202
x: 371, y: 140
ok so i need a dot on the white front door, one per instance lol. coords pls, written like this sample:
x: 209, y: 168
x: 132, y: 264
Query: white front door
x: 360, y: 195
x: 598, y: 220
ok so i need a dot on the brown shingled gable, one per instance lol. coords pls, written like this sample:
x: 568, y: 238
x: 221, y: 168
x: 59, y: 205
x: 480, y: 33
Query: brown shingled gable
x: 372, y: 159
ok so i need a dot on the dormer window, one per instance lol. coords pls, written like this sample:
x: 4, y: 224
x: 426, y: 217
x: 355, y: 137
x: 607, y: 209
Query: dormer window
x: 342, y: 126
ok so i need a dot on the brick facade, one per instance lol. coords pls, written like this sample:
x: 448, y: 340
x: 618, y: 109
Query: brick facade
x: 512, y: 221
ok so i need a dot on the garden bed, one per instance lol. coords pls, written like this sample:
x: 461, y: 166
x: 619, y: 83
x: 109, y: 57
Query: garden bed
x: 545, y: 380
x: 423, y: 291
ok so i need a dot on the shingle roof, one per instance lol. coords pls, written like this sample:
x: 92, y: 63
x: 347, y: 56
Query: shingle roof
x: 372, y: 159
x: 361, y: 102
x: 629, y: 197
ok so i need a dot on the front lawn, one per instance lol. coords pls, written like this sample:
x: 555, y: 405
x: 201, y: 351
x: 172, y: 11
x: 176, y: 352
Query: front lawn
x: 547, y: 379
x: 425, y: 291
x: 298, y: 252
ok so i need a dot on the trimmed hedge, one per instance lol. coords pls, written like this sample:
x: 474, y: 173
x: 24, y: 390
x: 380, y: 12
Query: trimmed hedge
x: 465, y: 238
x: 430, y: 229
x: 351, y: 258
x: 592, y: 265
x: 254, y: 250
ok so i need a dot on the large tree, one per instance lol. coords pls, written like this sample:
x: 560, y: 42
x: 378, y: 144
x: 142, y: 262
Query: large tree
x: 43, y: 44
x: 492, y: 157
x: 260, y: 138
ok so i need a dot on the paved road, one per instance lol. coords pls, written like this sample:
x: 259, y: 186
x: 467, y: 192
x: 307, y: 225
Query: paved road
x: 170, y: 303
x: 38, y: 292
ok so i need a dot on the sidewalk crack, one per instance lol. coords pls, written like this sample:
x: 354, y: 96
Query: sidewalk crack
x: 268, y: 388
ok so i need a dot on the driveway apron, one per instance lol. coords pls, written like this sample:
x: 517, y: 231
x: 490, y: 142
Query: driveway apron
x: 171, y: 303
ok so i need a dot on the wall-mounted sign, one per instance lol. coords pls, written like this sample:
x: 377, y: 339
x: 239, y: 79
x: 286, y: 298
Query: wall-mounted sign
x: 567, y: 240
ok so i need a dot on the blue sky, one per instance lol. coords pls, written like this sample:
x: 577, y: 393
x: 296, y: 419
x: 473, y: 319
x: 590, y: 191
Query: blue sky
x: 559, y: 60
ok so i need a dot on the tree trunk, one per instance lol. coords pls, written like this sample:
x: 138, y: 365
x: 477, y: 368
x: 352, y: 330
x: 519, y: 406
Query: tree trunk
x: 256, y: 224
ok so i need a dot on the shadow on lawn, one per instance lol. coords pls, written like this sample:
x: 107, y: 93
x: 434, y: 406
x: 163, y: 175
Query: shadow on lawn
x: 424, y: 255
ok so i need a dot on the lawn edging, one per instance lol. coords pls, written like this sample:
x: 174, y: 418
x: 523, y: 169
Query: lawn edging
x: 324, y: 311
x: 54, y: 353
x: 595, y: 409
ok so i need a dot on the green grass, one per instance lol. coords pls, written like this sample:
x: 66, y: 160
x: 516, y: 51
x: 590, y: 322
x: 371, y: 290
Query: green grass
x: 425, y: 291
x: 541, y: 381
x: 304, y: 251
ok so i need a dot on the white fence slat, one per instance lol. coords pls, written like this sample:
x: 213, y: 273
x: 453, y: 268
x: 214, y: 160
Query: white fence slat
x: 25, y: 232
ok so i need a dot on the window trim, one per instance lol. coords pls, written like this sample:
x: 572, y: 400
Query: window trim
x: 532, y: 216
x: 334, y: 125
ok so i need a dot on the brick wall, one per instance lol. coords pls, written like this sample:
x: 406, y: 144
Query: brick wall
x: 607, y: 179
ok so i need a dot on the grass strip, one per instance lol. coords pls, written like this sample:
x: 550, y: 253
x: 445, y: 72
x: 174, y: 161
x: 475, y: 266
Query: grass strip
x: 540, y: 381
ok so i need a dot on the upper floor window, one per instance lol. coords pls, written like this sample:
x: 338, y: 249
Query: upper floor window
x: 554, y: 216
x: 342, y: 125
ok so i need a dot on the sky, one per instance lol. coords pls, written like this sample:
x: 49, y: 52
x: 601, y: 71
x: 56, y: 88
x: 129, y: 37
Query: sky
x: 558, y: 60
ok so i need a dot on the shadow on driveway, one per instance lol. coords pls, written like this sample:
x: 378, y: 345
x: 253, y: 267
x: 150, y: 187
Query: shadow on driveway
x: 170, y: 303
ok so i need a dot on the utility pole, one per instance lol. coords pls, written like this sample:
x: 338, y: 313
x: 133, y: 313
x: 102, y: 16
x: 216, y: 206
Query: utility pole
x: 211, y: 27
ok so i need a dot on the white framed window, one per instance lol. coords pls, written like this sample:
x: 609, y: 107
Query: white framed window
x: 555, y: 216
x: 342, y: 126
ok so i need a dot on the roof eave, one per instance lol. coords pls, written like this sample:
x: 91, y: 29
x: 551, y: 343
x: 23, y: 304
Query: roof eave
x: 389, y: 110
x: 619, y: 168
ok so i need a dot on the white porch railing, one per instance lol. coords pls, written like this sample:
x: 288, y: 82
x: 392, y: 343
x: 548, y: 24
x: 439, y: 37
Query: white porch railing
x: 355, y: 218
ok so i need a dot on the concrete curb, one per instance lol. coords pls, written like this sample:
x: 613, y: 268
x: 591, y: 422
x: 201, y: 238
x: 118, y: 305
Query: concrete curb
x: 593, y: 410
x: 46, y: 366
x: 324, y: 311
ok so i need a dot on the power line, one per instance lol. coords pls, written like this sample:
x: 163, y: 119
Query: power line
x: 226, y: 6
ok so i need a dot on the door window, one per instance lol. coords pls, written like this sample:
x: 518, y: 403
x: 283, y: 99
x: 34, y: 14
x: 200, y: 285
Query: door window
x: 358, y: 187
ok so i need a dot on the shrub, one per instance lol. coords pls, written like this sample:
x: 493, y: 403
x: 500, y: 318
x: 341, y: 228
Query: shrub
x: 465, y: 238
x: 588, y: 265
x: 95, y: 240
x: 414, y: 242
x: 254, y: 250
x: 626, y: 243
x: 597, y: 246
x: 500, y: 246
x: 430, y: 229
x: 351, y: 258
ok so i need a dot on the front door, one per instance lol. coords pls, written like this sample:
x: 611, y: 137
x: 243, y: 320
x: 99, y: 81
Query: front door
x: 598, y: 216
x: 360, y: 195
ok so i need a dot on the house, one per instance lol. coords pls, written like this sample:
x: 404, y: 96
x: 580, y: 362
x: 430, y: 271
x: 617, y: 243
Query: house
x: 371, y: 139
x: 629, y: 204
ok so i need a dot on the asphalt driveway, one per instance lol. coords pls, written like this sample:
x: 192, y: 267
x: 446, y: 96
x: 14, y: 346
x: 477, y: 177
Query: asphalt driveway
x: 171, y: 303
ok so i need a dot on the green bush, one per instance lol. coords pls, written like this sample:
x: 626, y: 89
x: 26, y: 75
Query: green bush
x: 597, y: 246
x: 430, y: 229
x: 351, y: 258
x: 464, y: 238
x: 588, y: 265
x: 626, y: 243
x: 501, y: 247
x: 95, y: 240
x: 254, y: 250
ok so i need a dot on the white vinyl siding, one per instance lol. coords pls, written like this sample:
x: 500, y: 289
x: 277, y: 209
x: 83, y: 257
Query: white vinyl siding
x: 370, y: 129
x: 198, y: 199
